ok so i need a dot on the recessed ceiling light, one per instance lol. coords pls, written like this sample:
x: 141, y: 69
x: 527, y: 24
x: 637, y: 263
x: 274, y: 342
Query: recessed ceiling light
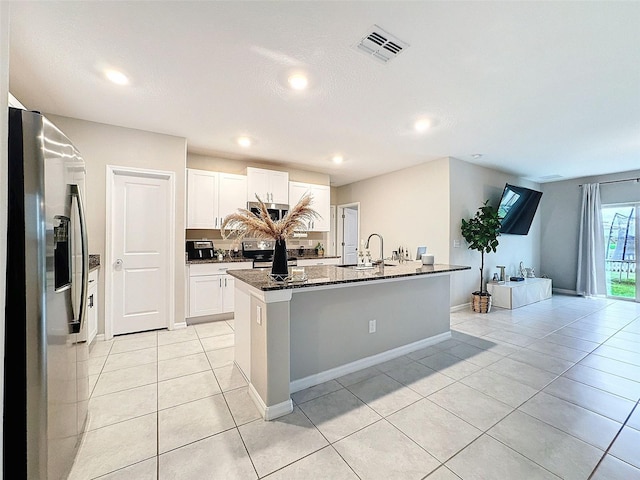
x: 244, y: 141
x: 422, y: 125
x: 298, y: 81
x: 337, y: 159
x: 117, y: 77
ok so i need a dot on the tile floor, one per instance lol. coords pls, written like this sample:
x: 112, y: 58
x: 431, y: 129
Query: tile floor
x: 549, y: 390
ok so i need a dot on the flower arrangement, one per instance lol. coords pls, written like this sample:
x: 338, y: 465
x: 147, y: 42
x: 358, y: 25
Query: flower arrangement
x: 244, y: 223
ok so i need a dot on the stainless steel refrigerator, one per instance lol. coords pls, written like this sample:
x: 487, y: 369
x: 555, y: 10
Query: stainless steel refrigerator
x: 46, y: 365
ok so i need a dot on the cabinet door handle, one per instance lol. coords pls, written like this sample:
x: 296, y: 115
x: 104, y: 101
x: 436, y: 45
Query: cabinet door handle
x: 225, y: 283
x: 216, y: 224
x: 220, y: 281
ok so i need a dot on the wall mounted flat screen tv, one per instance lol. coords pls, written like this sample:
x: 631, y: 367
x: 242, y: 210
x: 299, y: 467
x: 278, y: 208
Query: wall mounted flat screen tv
x: 517, y: 208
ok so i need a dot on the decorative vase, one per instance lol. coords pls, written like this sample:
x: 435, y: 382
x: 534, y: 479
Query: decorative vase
x: 279, y: 268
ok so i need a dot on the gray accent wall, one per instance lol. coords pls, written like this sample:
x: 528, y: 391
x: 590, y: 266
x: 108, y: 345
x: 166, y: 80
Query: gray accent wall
x: 470, y: 186
x: 560, y: 212
x: 330, y: 327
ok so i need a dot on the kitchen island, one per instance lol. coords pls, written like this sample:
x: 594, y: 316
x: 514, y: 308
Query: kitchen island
x: 338, y: 320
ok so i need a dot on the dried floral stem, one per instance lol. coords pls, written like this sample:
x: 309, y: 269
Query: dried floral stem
x: 244, y: 223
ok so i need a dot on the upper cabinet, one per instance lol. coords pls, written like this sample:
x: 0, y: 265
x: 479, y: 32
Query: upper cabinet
x: 321, y: 195
x: 232, y: 193
x: 270, y: 185
x: 211, y: 196
x: 202, y: 199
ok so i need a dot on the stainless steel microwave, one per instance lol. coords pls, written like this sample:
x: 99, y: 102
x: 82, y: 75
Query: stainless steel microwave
x: 277, y: 211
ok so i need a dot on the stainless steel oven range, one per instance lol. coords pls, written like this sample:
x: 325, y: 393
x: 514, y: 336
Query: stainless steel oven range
x: 261, y: 252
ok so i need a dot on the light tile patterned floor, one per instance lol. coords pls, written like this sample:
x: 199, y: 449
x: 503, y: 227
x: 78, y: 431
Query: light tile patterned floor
x: 549, y: 390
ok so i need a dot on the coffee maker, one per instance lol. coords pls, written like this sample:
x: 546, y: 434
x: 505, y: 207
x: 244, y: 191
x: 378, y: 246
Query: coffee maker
x: 200, y: 249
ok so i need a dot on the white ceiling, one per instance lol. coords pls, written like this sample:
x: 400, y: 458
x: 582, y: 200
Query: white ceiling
x: 540, y: 89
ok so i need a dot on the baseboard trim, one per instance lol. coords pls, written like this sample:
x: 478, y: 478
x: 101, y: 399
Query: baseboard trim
x: 342, y: 370
x: 274, y: 411
x: 457, y: 308
x: 177, y: 326
x: 564, y: 291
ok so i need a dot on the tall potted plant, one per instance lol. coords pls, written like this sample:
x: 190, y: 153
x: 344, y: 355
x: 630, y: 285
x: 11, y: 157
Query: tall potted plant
x: 481, y: 233
x: 244, y: 223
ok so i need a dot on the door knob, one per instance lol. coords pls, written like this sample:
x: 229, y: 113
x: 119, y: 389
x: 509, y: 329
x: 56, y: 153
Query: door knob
x: 118, y: 263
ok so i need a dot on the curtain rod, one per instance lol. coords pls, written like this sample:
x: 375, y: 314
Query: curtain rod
x: 637, y: 179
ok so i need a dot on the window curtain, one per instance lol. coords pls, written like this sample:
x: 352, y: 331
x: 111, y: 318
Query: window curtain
x: 591, y: 271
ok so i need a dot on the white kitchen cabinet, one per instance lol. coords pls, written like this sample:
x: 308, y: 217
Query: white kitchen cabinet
x: 202, y: 199
x: 271, y: 186
x: 306, y: 262
x: 90, y: 330
x: 321, y: 203
x: 211, y: 196
x: 211, y: 290
x: 232, y: 194
x: 227, y: 293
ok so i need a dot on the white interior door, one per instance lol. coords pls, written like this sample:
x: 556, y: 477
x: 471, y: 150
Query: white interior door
x: 141, y: 219
x: 350, y: 232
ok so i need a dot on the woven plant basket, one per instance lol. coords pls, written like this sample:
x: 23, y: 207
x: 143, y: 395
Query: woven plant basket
x: 481, y: 303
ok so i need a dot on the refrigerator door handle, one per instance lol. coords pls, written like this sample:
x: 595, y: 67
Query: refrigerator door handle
x: 78, y: 323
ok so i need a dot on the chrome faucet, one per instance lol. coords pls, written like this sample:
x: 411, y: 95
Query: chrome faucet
x: 381, y: 245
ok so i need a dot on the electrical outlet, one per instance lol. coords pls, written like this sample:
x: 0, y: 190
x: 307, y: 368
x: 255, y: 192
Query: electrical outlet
x: 456, y: 243
x: 259, y: 314
x: 372, y: 326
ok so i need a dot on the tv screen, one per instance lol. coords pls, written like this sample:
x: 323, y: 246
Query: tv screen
x: 517, y: 208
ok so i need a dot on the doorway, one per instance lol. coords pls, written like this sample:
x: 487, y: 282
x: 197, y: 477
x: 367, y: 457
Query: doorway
x: 620, y: 224
x: 140, y: 251
x: 349, y: 232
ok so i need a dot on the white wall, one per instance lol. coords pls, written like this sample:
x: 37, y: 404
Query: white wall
x: 4, y: 132
x: 409, y: 207
x: 425, y: 204
x: 560, y: 211
x: 102, y: 145
x: 470, y: 186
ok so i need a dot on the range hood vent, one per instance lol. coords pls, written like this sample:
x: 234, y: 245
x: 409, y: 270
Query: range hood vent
x: 381, y: 45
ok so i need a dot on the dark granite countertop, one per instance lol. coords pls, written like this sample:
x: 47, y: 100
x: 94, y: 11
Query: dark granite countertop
x: 94, y: 261
x: 242, y: 259
x: 225, y: 260
x: 334, y: 275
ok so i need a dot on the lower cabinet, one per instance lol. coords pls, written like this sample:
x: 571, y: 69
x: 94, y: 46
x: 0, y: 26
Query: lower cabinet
x: 91, y: 324
x: 211, y: 290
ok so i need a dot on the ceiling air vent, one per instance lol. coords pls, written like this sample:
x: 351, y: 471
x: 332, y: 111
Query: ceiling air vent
x: 381, y: 45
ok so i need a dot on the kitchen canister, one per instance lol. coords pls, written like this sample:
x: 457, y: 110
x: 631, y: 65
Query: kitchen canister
x: 427, y: 259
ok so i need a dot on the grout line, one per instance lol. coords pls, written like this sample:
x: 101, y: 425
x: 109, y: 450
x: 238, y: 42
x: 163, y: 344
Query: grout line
x: 606, y: 452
